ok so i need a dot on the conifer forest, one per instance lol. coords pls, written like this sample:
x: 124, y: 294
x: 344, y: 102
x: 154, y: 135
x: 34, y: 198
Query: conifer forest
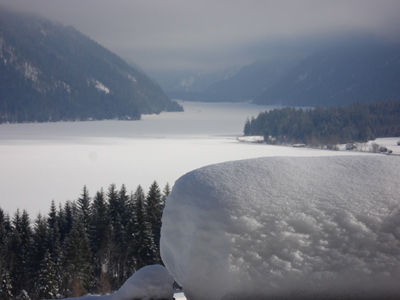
x: 358, y: 122
x: 91, y: 245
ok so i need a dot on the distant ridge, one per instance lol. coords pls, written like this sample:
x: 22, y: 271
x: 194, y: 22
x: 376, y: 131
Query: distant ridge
x: 338, y: 71
x: 365, y: 72
x: 52, y: 72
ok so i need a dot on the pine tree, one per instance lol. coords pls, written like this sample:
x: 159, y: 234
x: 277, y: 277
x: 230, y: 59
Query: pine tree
x: 114, y: 209
x: 40, y: 245
x: 4, y: 235
x: 47, y: 284
x: 99, y: 237
x: 83, y: 204
x: 53, y: 229
x: 120, y: 233
x: 123, y: 241
x: 145, y: 248
x: 19, y: 251
x: 99, y: 227
x: 6, y: 290
x: 116, y: 233
x: 76, y: 261
x: 66, y: 220
x: 131, y: 262
x: 154, y: 210
x: 166, y: 192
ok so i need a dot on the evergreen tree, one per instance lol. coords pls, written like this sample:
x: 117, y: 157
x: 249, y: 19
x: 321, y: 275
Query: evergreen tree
x: 76, y: 262
x: 5, y: 231
x: 121, y: 232
x: 116, y: 234
x: 145, y: 249
x: 3, y: 241
x: 66, y: 220
x: 99, y: 237
x: 19, y: 251
x: 40, y: 245
x: 131, y: 231
x: 154, y: 210
x: 83, y: 204
x: 99, y: 227
x: 60, y: 257
x: 114, y: 209
x: 53, y: 229
x: 47, y: 284
x: 166, y: 192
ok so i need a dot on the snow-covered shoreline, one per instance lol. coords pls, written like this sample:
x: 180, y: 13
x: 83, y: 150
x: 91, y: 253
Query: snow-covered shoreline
x: 374, y: 146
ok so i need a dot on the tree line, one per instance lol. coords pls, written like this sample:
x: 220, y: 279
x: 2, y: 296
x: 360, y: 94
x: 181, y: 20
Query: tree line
x: 91, y: 245
x: 358, y: 122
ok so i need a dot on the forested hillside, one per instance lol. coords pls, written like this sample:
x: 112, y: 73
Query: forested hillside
x: 249, y: 81
x: 338, y: 71
x: 360, y: 72
x: 321, y: 126
x: 51, y: 72
x: 88, y: 245
x: 235, y: 85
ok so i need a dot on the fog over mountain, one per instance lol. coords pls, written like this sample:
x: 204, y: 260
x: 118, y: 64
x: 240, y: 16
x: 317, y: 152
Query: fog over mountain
x: 233, y: 50
x: 212, y: 35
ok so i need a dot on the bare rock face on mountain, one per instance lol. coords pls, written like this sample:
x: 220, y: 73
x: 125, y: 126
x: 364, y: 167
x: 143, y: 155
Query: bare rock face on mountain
x: 51, y: 72
x: 286, y: 228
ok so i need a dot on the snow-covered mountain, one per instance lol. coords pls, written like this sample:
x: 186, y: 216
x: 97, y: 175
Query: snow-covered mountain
x: 51, y: 72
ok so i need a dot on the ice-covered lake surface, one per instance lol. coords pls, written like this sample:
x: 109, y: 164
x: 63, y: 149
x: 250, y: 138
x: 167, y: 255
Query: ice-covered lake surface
x: 52, y: 161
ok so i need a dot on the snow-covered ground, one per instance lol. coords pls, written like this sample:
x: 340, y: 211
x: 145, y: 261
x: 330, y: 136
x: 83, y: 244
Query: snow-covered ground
x: 251, y: 139
x: 179, y: 296
x: 149, y: 283
x: 390, y: 143
x: 287, y: 227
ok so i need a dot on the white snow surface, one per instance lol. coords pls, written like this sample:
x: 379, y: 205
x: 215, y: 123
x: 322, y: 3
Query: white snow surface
x: 280, y: 227
x: 150, y: 282
x: 101, y: 87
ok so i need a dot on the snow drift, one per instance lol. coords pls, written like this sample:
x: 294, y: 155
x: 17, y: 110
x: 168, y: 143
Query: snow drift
x: 295, y: 227
x: 149, y: 283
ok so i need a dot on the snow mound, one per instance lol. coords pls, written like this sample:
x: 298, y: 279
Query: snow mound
x: 150, y: 282
x: 286, y: 227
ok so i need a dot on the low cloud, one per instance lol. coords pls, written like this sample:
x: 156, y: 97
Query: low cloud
x: 179, y: 34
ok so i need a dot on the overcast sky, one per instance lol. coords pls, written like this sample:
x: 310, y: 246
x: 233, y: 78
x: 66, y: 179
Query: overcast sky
x: 212, y: 34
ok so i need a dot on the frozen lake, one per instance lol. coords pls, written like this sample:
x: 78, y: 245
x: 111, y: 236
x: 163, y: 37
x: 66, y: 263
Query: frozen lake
x: 52, y: 161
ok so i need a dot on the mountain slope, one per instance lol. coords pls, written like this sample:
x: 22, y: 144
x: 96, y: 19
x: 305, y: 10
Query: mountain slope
x: 190, y: 85
x: 338, y: 76
x: 249, y: 81
x: 234, y: 84
x: 51, y: 72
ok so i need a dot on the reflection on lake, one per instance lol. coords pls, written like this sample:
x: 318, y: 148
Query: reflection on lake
x: 52, y: 161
